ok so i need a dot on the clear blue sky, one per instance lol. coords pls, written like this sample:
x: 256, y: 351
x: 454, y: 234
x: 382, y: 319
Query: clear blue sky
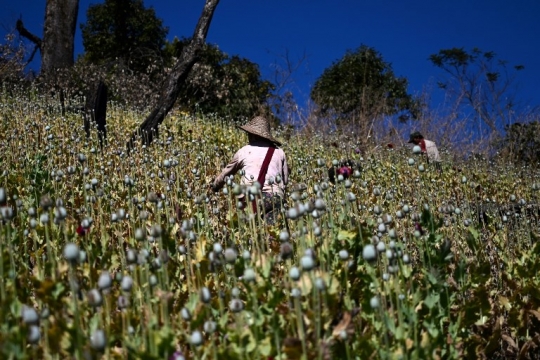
x: 405, y: 32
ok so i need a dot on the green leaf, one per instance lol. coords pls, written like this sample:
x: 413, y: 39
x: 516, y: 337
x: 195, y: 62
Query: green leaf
x: 431, y: 300
x: 265, y: 347
x: 474, y: 233
x: 345, y: 235
x: 58, y: 290
x: 472, y: 239
x: 432, y: 329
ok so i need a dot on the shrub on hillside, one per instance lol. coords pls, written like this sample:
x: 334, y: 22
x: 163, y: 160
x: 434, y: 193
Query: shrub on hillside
x: 11, y: 60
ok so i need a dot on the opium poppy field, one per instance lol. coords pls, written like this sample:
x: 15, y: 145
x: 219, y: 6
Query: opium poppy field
x: 107, y: 253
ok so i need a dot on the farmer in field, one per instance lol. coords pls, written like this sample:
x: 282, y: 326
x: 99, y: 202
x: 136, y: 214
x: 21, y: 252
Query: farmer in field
x: 344, y: 168
x: 428, y: 147
x: 262, y: 161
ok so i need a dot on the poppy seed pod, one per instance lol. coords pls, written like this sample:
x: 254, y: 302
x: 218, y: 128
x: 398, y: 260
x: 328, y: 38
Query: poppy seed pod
x: 249, y: 275
x: 235, y: 292
x: 94, y: 298
x: 204, y: 295
x: 3, y: 196
x: 186, y: 314
x: 343, y: 254
x: 374, y: 302
x: 320, y: 284
x: 217, y: 248
x: 127, y: 283
x: 236, y: 305
x: 286, y: 250
x: 296, y: 293
x: 32, y: 212
x: 71, y: 253
x: 44, y: 218
x: 34, y: 335
x: 131, y: 256
x: 29, y: 315
x: 210, y: 326
x: 6, y: 213
x: 98, y: 340
x: 230, y: 255
x: 292, y: 213
x: 104, y: 281
x: 294, y: 273
x: 369, y: 253
x: 307, y: 263
x: 406, y: 259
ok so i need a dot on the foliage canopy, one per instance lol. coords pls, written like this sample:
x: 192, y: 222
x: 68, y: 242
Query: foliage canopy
x: 228, y: 86
x: 522, y: 142
x: 123, y: 30
x: 362, y: 84
x: 11, y: 60
x: 221, y: 84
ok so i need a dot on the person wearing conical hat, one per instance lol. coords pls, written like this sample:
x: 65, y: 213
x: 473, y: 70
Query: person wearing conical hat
x: 263, y: 161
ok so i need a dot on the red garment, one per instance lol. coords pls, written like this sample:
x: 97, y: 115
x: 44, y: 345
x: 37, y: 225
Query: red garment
x: 264, y: 169
x: 345, y: 171
x: 423, y: 146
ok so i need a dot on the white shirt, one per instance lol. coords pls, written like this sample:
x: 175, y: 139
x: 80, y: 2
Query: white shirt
x: 431, y: 150
x: 250, y: 158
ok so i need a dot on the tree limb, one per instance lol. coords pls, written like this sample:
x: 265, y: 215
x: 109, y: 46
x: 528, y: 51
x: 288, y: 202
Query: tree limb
x: 177, y: 78
x: 27, y: 34
x: 32, y: 55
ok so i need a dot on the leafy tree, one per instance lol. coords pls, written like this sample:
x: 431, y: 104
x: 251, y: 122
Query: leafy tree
x: 125, y: 30
x: 361, y: 85
x: 228, y: 86
x: 11, y: 60
x: 522, y: 142
x: 480, y: 82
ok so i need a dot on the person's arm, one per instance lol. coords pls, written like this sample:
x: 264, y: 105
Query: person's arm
x: 232, y: 168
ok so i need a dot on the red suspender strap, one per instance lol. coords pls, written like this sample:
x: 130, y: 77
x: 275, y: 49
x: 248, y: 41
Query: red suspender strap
x: 262, y: 173
x: 423, y: 145
x: 424, y: 148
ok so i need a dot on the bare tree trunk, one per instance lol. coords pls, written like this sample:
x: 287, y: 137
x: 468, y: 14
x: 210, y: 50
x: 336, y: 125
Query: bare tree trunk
x: 58, y: 34
x: 177, y: 78
x: 95, y: 112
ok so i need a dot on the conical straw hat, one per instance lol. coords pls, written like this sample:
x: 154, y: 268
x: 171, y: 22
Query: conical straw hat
x: 261, y: 127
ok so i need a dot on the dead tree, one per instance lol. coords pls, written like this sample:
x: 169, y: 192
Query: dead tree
x: 58, y: 35
x: 96, y: 112
x: 57, y: 44
x: 171, y: 88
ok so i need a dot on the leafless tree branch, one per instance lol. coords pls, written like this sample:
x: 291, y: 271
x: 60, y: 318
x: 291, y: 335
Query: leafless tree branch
x: 177, y: 78
x: 27, y: 34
